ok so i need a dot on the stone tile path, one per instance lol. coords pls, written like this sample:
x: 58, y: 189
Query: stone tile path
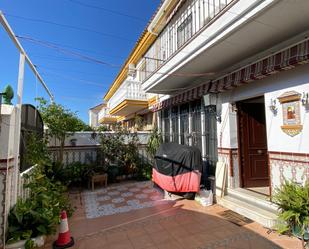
x: 121, y: 199
x: 179, y: 224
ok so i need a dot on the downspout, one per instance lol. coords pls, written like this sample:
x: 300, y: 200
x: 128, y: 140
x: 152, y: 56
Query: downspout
x: 157, y: 18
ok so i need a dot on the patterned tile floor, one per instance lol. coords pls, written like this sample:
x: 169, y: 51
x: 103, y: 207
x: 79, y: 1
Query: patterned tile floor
x: 181, y: 224
x: 121, y: 199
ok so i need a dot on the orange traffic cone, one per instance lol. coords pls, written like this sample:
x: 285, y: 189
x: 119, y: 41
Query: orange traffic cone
x: 64, y: 239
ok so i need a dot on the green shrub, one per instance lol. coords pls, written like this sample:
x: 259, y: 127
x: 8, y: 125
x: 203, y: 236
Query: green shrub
x: 77, y: 173
x: 38, y: 214
x: 74, y: 173
x: 293, y: 202
x: 120, y: 150
x: 154, y: 142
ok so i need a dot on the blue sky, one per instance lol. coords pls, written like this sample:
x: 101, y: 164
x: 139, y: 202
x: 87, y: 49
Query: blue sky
x: 75, y: 83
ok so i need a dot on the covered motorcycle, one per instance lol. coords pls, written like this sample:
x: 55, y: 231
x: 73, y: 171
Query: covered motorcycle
x: 177, y: 168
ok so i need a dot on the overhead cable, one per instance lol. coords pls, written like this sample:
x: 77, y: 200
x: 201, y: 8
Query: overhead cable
x: 70, y: 27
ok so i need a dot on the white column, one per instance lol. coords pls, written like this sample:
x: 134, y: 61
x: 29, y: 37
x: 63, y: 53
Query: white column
x: 18, y: 124
x: 7, y: 123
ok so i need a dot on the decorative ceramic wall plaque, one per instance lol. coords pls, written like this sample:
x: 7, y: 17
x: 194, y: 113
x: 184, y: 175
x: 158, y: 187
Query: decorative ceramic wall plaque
x: 290, y: 102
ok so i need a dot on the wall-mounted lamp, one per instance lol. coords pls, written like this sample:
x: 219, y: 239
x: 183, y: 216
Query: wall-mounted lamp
x: 273, y: 106
x: 305, y: 99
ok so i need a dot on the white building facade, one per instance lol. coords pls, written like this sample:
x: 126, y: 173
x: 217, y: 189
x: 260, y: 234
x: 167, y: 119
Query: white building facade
x: 94, y: 115
x: 233, y: 80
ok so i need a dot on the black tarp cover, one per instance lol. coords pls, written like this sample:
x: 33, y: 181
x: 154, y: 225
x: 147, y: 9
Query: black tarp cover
x: 175, y: 159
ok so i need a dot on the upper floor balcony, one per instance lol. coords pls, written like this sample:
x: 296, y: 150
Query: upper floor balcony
x: 208, y: 38
x: 128, y: 99
x: 104, y: 116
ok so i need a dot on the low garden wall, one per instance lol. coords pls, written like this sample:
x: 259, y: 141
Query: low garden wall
x: 83, y: 147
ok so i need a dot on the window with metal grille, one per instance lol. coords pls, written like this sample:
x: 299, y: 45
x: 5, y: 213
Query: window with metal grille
x: 211, y: 137
x: 166, y: 127
x: 184, y: 124
x: 142, y: 71
x: 184, y: 31
x: 196, y: 124
x: 175, y: 127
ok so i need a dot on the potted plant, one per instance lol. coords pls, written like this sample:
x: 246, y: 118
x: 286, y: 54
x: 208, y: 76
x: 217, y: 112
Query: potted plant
x: 33, y: 218
x: 27, y: 226
x: 293, y: 202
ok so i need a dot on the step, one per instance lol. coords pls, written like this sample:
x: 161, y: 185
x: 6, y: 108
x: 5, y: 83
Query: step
x: 253, y: 198
x: 260, y: 215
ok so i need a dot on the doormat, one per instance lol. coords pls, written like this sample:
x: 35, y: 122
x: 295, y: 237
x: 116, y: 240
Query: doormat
x: 235, y: 218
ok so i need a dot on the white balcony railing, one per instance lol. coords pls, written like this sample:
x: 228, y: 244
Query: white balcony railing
x: 193, y: 16
x: 129, y: 90
x: 104, y: 113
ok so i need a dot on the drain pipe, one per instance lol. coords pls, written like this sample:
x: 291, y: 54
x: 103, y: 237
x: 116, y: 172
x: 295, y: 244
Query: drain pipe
x: 157, y: 17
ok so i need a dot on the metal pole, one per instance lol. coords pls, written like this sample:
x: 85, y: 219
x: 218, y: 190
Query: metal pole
x: 190, y: 140
x: 179, y: 125
x: 203, y: 129
x: 18, y: 124
x: 11, y: 34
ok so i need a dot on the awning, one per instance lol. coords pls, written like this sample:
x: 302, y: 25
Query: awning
x: 281, y: 61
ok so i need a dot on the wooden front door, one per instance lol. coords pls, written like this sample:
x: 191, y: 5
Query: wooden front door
x: 253, y: 145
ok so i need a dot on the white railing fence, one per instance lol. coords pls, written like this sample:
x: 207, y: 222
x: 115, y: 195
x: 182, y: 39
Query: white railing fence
x: 23, y: 179
x: 129, y: 90
x: 188, y: 21
x: 86, y: 147
x: 104, y: 113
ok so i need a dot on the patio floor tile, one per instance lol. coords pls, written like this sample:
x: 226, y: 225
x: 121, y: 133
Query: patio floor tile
x: 170, y: 245
x: 142, y: 242
x: 181, y: 224
x: 116, y: 237
x: 154, y: 228
x: 136, y: 232
x: 160, y: 237
x: 120, y: 245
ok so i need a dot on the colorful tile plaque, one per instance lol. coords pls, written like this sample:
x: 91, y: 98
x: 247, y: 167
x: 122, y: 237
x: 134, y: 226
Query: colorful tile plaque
x: 290, y: 102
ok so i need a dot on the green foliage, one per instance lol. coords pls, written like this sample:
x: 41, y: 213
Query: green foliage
x: 120, y: 149
x: 36, y: 150
x: 102, y: 128
x: 29, y: 244
x: 112, y: 147
x: 293, y: 202
x: 8, y: 95
x: 154, y: 142
x: 38, y: 214
x: 138, y: 121
x: 61, y: 122
x: 77, y: 174
x: 20, y: 222
x: 74, y: 173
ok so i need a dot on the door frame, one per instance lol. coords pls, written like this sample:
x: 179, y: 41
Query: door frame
x: 240, y: 144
